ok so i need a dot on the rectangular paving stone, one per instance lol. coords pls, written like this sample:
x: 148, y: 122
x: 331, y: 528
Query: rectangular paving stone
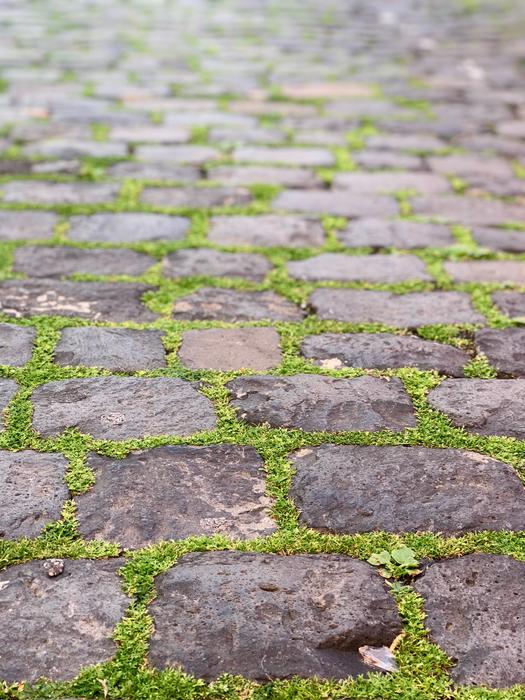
x: 469, y: 210
x: 212, y: 604
x: 504, y: 349
x: 264, y: 175
x: 500, y: 239
x: 174, y: 492
x: 196, y: 197
x: 366, y: 268
x: 178, y: 155
x: 32, y: 492
x: 266, y: 231
x: 313, y: 402
x: 40, y: 192
x: 511, y: 304
x: 425, y: 143
x: 120, y: 408
x: 41, y: 261
x: 397, y: 310
x: 382, y: 233
x: 473, y: 607
x: 73, y: 148
x: 98, y: 301
x: 384, y: 160
x: 449, y: 491
x: 486, y: 271
x: 335, y: 202
x: 127, y: 228
x: 116, y: 349
x: 284, y: 156
x: 153, y: 171
x: 383, y: 351
x: 54, y: 627
x: 381, y: 182
x: 216, y: 304
x: 150, y: 134
x: 16, y: 344
x: 206, y: 262
x: 8, y: 388
x: 231, y: 349
x: 483, y: 406
x: 464, y: 165
x: 17, y: 225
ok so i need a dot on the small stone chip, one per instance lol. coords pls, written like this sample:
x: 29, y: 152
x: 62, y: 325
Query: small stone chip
x: 54, y: 567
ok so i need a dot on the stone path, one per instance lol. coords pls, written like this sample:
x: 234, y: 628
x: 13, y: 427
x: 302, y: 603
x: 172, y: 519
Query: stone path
x: 262, y: 295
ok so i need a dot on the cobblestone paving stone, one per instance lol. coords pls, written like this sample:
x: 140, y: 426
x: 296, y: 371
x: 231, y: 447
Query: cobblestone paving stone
x: 262, y: 295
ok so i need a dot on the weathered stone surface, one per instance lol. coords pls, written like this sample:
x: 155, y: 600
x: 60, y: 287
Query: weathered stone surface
x: 313, y: 402
x: 128, y: 228
x: 150, y: 134
x: 116, y: 349
x: 465, y: 165
x: 32, y: 492
x: 474, y: 606
x: 231, y: 349
x: 336, y: 202
x: 302, y: 615
x: 119, y: 408
x: 379, y: 160
x: 264, y: 175
x: 99, y: 301
x: 266, y: 231
x: 469, y: 210
x: 178, y: 155
x: 438, y: 490
x: 284, y: 156
x: 484, y: 406
x: 17, y: 225
x: 511, y: 304
x: 53, y: 627
x: 486, y: 271
x: 367, y: 268
x: 196, y: 197
x: 400, y: 310
x: 70, y: 148
x: 16, y: 344
x: 174, y: 492
x: 8, y: 388
x: 206, y: 262
x: 504, y: 348
x: 383, y: 351
x: 406, y: 142
x: 41, y: 261
x: 381, y: 182
x: 39, y: 192
x: 500, y: 239
x: 381, y: 233
x: 214, y: 303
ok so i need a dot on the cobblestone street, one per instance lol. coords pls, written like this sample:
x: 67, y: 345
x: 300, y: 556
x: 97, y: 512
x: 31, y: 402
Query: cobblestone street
x: 262, y: 350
